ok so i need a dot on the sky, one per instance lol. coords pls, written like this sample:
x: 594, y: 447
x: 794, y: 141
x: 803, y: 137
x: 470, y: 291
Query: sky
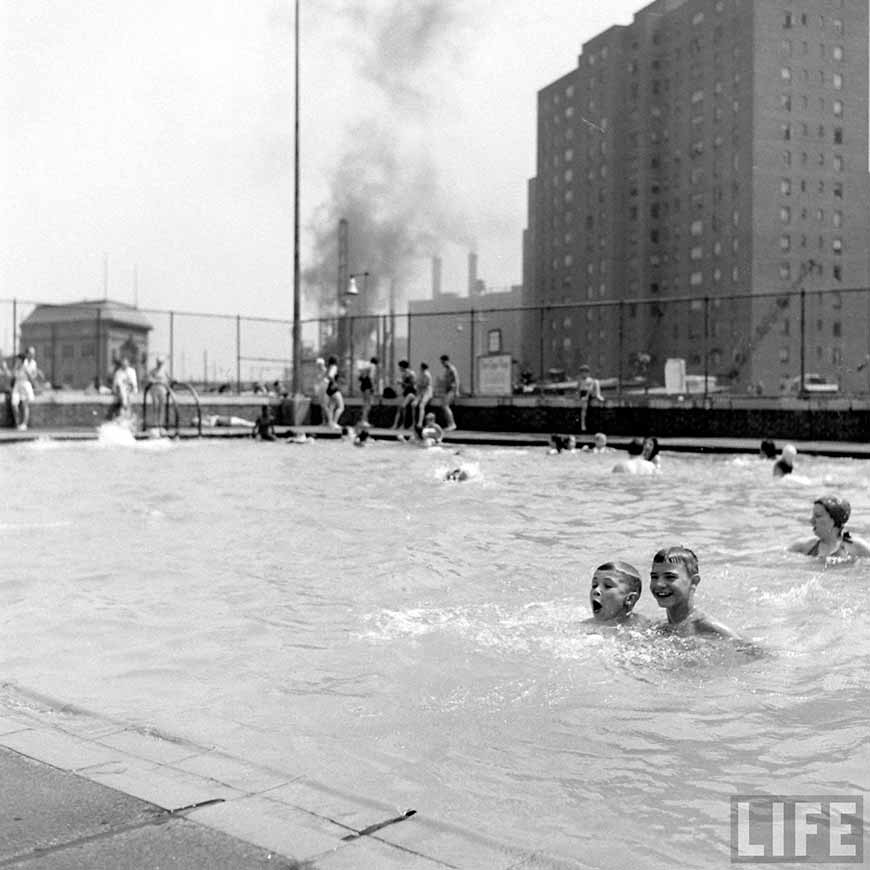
x: 148, y: 146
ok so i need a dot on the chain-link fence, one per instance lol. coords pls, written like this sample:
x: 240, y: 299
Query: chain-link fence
x: 799, y: 343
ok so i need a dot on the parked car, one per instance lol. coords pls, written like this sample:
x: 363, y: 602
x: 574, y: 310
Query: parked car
x: 813, y: 383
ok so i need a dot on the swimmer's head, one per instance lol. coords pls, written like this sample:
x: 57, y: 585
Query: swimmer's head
x: 600, y: 439
x: 650, y: 447
x: 616, y: 586
x: 635, y: 448
x: 838, y: 509
x: 789, y: 454
x: 403, y: 363
x: 678, y: 555
x: 424, y: 367
x: 768, y: 449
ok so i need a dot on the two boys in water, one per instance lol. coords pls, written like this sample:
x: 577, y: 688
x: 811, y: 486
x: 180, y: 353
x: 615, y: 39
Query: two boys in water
x: 674, y: 578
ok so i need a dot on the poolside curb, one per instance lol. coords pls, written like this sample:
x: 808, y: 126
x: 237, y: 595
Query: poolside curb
x: 227, y: 805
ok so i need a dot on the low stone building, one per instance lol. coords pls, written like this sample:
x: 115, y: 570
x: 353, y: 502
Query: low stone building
x: 77, y: 343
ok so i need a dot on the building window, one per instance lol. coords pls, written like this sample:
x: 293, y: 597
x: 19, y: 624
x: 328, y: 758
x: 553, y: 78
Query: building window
x: 785, y: 243
x: 783, y: 355
x: 837, y: 246
x: 696, y: 279
x: 493, y: 340
x: 838, y: 108
x: 785, y: 186
x: 836, y: 329
x: 838, y: 190
x: 785, y: 74
x: 838, y: 219
x: 838, y: 273
x: 838, y: 163
x: 838, y: 82
x: 785, y: 271
x: 88, y: 350
x: 785, y: 214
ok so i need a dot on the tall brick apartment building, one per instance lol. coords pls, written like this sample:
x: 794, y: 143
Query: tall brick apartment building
x: 712, y: 149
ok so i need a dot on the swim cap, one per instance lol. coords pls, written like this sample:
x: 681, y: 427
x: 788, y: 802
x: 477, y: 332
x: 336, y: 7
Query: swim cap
x: 789, y: 452
x: 838, y: 508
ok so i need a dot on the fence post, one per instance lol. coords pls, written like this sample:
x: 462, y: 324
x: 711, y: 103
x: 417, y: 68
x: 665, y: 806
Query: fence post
x: 238, y: 354
x: 471, y: 349
x: 99, y: 349
x: 350, y: 361
x: 621, y: 350
x: 802, y: 388
x: 172, y: 345
x: 706, y: 348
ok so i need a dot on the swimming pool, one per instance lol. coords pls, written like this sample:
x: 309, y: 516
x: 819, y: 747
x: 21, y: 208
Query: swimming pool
x: 348, y: 614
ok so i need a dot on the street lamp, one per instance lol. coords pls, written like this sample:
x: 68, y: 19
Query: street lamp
x: 345, y: 328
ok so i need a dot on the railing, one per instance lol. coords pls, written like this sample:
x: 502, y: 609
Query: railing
x: 802, y: 341
x: 166, y: 400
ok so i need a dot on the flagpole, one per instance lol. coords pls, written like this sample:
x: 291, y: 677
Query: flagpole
x: 297, y: 300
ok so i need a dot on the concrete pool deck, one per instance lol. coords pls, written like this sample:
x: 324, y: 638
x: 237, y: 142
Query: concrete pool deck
x: 83, y: 790
x: 857, y: 450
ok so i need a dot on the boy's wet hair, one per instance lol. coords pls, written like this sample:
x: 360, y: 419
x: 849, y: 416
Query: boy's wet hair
x: 678, y: 555
x: 627, y: 573
x: 768, y: 448
x: 635, y: 447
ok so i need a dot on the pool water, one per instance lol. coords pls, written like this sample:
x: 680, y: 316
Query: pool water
x: 347, y: 614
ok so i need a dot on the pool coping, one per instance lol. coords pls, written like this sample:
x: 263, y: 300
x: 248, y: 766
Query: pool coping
x: 465, y: 437
x: 289, y: 815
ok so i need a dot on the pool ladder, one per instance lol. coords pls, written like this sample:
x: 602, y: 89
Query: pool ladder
x: 171, y: 403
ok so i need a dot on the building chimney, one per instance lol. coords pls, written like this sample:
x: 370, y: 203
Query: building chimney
x: 472, y: 274
x: 436, y: 277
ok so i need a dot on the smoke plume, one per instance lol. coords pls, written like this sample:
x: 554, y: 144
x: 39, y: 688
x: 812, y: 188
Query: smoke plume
x: 385, y: 183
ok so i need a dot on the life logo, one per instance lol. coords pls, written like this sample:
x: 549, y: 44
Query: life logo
x: 797, y: 829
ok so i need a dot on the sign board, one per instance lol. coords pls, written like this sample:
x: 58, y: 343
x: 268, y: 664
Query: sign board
x: 494, y: 375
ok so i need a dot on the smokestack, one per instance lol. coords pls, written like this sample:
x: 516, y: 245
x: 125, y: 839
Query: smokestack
x: 472, y: 274
x: 436, y: 277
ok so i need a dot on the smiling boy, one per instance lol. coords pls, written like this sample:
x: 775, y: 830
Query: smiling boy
x: 616, y: 586
x: 673, y: 580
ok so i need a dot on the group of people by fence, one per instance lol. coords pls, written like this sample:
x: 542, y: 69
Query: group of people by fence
x: 415, y: 391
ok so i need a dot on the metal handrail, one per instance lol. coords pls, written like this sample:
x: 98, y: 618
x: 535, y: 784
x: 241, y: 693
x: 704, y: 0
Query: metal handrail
x: 172, y: 401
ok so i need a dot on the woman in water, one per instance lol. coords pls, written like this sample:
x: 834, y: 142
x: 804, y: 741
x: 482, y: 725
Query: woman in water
x: 832, y: 541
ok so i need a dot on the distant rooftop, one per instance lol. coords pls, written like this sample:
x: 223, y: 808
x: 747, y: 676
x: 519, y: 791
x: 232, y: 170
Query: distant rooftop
x: 119, y: 313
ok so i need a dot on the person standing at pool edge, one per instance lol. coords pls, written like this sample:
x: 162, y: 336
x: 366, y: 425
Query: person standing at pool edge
x: 367, y: 388
x: 408, y: 382
x: 451, y: 390
x: 424, y: 393
x: 25, y: 373
x: 587, y: 388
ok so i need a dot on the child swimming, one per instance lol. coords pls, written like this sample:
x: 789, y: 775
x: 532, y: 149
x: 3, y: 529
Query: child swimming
x: 674, y: 578
x: 616, y: 587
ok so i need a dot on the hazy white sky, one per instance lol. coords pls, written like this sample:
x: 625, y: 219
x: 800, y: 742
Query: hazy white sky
x: 158, y: 136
